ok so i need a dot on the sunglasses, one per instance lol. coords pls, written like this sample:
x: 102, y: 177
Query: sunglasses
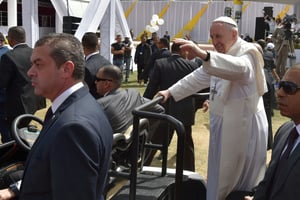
x: 102, y: 79
x: 288, y: 87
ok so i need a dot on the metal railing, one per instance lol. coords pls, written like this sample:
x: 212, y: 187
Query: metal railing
x: 140, y: 112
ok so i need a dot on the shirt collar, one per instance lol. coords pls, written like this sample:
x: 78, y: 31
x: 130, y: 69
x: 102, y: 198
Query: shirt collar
x: 90, y: 55
x: 62, y: 97
x: 18, y: 45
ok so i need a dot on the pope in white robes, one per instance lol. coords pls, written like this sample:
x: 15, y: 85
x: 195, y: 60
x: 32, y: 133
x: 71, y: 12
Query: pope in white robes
x: 238, y: 124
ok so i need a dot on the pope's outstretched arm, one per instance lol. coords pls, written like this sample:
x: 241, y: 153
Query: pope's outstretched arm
x: 165, y: 93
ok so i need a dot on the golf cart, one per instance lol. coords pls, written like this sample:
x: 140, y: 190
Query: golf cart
x: 13, y: 154
x: 161, y: 183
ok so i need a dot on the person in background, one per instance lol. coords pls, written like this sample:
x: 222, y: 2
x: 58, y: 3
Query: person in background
x: 141, y: 57
x: 271, y: 78
x: 153, y: 42
x: 127, y: 57
x: 167, y: 36
x: 248, y: 38
x: 15, y: 85
x: 163, y: 52
x: 118, y: 50
x: 3, y: 47
x: 166, y: 72
x: 238, y: 122
x: 281, y: 37
x: 93, y: 60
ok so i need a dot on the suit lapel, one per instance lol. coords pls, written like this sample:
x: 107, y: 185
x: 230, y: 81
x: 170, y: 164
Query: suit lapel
x: 294, y: 157
x: 73, y: 97
x: 285, y: 173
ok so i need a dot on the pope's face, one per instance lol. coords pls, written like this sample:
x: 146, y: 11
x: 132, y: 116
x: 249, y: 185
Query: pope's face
x: 222, y: 37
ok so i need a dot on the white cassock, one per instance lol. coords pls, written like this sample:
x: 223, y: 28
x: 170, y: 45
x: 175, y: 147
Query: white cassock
x: 238, y: 124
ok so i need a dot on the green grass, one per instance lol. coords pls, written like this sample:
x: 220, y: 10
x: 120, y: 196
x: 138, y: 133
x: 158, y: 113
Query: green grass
x: 133, y: 83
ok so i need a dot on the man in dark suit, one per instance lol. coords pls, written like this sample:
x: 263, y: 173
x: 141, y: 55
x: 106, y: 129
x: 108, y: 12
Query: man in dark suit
x: 20, y: 97
x: 118, y: 103
x: 163, y: 52
x: 93, y: 60
x: 282, y: 176
x: 141, y: 57
x: 70, y: 158
x: 166, y: 72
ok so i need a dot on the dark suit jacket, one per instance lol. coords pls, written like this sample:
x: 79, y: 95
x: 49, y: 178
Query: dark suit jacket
x: 92, y: 65
x: 20, y: 97
x: 70, y: 158
x: 118, y: 106
x: 287, y: 186
x: 162, y: 53
x: 142, y: 54
x: 166, y: 72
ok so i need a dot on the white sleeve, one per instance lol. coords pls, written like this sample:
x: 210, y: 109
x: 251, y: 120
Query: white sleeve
x: 190, y: 84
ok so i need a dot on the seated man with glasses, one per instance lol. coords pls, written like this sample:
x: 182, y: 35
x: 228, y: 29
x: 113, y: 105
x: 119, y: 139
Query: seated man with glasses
x: 118, y: 103
x: 281, y: 180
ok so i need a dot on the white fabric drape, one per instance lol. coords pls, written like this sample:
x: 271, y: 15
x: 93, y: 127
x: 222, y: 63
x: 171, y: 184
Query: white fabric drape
x: 121, y: 18
x: 92, y: 17
x: 98, y: 13
x: 30, y: 21
x: 60, y: 11
x: 109, y: 15
x: 107, y: 30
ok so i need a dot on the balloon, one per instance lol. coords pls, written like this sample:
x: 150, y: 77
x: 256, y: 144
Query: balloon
x: 153, y: 22
x: 152, y: 30
x: 155, y: 28
x: 148, y: 28
x: 155, y: 17
x: 160, y: 21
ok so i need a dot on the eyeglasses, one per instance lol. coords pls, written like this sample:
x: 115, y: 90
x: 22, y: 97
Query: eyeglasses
x: 289, y: 87
x: 102, y: 79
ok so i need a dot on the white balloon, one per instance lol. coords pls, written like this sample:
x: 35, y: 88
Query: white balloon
x: 148, y: 28
x: 160, y: 21
x: 155, y: 28
x: 151, y: 30
x: 153, y: 22
x: 155, y: 17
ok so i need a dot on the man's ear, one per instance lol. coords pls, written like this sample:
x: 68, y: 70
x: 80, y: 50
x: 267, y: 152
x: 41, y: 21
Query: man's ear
x: 234, y: 33
x: 68, y: 68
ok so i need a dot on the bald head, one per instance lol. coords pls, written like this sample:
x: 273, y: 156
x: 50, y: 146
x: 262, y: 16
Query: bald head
x: 108, y: 78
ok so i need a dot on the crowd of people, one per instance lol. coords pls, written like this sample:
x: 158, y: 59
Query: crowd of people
x: 71, y: 157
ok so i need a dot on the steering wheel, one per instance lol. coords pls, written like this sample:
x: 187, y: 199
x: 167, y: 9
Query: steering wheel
x: 24, y: 132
